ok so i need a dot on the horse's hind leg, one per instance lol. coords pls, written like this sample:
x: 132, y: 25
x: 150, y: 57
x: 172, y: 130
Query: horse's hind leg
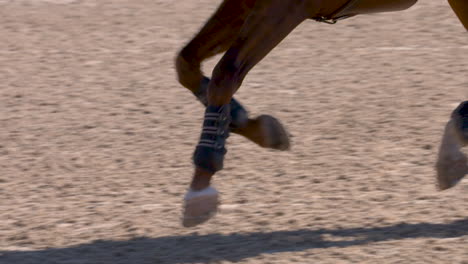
x: 268, y: 23
x: 452, y: 164
x: 215, y: 37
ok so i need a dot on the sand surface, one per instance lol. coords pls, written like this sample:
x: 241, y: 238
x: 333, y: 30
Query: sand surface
x: 96, y: 137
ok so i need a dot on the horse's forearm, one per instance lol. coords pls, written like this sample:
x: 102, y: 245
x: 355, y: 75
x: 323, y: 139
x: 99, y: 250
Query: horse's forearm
x: 460, y: 7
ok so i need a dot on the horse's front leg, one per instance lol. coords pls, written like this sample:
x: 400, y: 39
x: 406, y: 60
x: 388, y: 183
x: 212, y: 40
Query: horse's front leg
x: 269, y: 23
x: 215, y: 37
x: 452, y: 164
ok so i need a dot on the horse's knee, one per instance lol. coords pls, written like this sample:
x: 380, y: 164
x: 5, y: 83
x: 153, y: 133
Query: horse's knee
x: 188, y: 70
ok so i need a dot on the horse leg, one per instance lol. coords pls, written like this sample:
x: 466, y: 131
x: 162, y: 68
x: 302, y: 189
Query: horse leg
x: 215, y: 37
x: 452, y: 164
x: 460, y: 7
x: 268, y: 24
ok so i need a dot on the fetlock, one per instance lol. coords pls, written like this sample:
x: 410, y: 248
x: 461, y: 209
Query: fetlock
x: 210, y: 151
x: 239, y: 116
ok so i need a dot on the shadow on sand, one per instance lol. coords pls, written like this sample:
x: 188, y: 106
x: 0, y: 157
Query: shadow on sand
x: 233, y: 247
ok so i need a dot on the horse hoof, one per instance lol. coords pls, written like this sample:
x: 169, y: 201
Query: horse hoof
x: 460, y: 118
x: 266, y: 131
x: 200, y: 206
x: 451, y: 171
x: 273, y: 133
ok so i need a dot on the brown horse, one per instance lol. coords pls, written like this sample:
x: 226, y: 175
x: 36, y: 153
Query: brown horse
x: 247, y: 30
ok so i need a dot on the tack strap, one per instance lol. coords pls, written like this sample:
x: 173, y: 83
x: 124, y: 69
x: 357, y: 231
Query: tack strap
x: 339, y: 14
x: 330, y: 21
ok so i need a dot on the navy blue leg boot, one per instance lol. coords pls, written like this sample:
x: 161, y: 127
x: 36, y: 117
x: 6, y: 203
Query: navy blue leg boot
x: 460, y: 117
x: 239, y: 116
x: 265, y: 130
x: 210, y: 151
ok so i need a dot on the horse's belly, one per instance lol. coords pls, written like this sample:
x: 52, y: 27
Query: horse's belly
x: 357, y: 7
